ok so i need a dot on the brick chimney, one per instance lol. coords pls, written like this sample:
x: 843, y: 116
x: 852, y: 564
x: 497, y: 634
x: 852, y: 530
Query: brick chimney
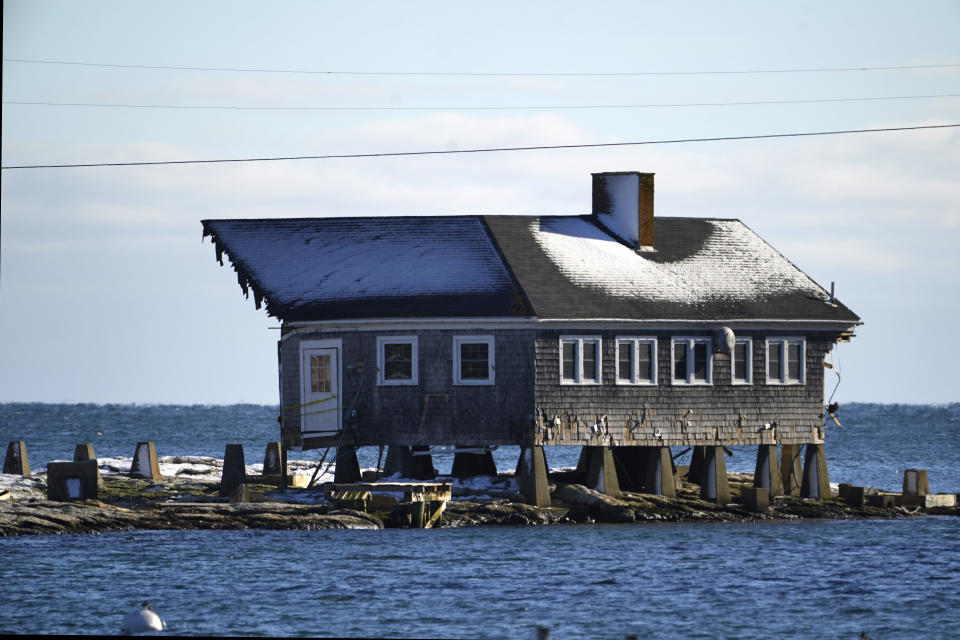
x: 623, y: 203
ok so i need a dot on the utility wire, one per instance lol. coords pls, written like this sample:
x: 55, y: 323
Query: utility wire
x: 475, y: 108
x: 488, y: 150
x: 483, y: 74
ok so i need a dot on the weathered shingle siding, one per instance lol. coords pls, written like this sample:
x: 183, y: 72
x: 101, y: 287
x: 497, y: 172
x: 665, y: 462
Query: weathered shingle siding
x: 435, y: 411
x: 684, y: 415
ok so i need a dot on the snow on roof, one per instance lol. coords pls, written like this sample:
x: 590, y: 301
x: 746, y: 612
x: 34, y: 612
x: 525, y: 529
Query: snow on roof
x: 733, y: 264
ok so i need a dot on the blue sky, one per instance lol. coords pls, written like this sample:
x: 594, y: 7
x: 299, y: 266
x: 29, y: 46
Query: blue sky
x: 108, y: 295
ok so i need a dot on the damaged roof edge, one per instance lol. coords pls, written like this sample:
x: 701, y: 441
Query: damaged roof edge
x: 244, y: 279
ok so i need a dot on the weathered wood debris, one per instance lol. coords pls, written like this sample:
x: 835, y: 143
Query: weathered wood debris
x: 126, y: 503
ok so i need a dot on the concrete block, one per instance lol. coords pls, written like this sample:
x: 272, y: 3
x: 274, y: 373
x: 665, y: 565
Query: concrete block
x: 16, y: 461
x: 234, y: 471
x: 882, y: 501
x: 145, y: 462
x: 915, y: 483
x: 940, y: 500
x: 756, y: 499
x: 907, y: 501
x: 854, y: 496
x: 272, y: 460
x: 72, y: 480
x: 767, y: 472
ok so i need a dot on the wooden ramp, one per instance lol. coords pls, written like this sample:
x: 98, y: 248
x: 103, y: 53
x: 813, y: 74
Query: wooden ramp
x: 422, y: 505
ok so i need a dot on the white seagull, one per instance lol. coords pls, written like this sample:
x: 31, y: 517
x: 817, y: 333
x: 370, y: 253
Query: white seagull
x: 143, y: 619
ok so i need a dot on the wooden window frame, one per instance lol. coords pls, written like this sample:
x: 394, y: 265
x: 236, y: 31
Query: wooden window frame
x: 633, y: 343
x: 578, y: 362
x: 782, y: 344
x: 748, y: 363
x: 491, y: 359
x: 414, y: 354
x: 689, y: 380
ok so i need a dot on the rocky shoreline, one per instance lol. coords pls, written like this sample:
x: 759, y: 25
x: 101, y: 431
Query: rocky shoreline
x: 129, y: 504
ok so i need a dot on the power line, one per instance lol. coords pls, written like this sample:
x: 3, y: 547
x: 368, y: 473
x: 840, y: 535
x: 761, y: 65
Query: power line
x: 488, y: 150
x: 480, y: 73
x: 474, y: 108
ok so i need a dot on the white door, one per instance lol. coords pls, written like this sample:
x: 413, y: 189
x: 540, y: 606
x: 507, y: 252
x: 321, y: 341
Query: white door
x: 320, y: 392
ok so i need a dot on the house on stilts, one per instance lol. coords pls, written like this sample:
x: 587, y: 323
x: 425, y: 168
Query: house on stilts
x: 618, y: 332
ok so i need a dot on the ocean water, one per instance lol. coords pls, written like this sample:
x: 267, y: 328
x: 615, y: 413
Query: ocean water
x: 833, y: 579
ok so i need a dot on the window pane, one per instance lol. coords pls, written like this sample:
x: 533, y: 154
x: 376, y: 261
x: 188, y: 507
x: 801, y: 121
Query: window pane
x: 569, y: 360
x: 679, y: 360
x: 625, y: 364
x: 740, y: 362
x: 773, y: 361
x: 645, y: 361
x: 398, y: 361
x: 589, y: 360
x: 320, y: 374
x: 793, y: 361
x: 699, y: 361
x: 474, y: 361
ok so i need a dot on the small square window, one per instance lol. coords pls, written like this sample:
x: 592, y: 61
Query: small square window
x: 636, y: 360
x: 396, y: 360
x: 473, y: 360
x: 692, y: 361
x: 580, y: 360
x: 785, y: 361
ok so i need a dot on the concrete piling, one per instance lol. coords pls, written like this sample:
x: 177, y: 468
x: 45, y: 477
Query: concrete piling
x: 421, y: 463
x: 272, y: 460
x: 767, y: 473
x: 234, y: 471
x: 816, y: 482
x: 16, y: 461
x: 467, y: 464
x: 714, y: 486
x: 72, y: 480
x: 145, y: 462
x: 398, y: 462
x: 695, y: 473
x: 348, y: 467
x: 791, y: 472
x: 85, y: 452
x: 601, y: 472
x: 532, y: 476
x: 915, y: 483
x: 646, y: 470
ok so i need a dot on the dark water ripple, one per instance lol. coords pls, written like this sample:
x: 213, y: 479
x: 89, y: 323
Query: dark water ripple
x: 783, y: 580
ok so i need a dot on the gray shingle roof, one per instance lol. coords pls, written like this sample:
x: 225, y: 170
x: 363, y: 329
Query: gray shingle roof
x: 551, y: 267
